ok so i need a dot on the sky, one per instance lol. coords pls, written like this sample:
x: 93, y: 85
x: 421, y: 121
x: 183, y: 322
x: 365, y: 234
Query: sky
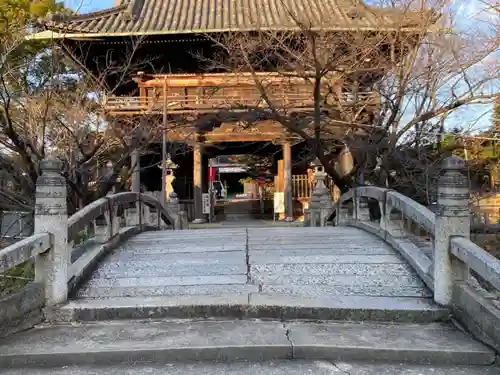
x: 85, y: 6
x: 468, y: 11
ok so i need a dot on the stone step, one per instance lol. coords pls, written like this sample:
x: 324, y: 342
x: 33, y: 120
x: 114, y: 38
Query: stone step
x: 163, y: 342
x: 246, y: 302
x: 276, y: 367
x: 105, y: 288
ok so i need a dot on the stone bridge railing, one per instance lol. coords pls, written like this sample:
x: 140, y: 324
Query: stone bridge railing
x: 461, y: 275
x: 64, y: 250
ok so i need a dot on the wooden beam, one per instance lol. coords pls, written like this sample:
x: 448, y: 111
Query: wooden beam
x: 225, y: 137
x: 222, y: 79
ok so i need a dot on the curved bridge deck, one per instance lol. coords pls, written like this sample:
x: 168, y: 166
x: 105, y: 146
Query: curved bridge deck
x: 329, y: 267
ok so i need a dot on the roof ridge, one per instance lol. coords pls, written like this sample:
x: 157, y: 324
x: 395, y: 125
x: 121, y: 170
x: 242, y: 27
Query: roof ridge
x: 65, y: 17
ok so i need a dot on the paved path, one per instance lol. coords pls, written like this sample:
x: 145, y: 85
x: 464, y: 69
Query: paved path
x: 266, y: 368
x: 265, y: 263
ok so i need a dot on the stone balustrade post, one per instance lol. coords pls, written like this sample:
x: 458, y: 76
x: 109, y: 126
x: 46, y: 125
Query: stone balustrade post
x: 361, y: 210
x: 146, y: 215
x: 51, y: 215
x: 452, y: 219
x: 307, y: 216
x: 139, y: 212
x: 342, y: 216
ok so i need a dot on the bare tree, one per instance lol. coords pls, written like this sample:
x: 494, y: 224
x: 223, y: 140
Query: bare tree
x: 380, y: 92
x: 47, y: 106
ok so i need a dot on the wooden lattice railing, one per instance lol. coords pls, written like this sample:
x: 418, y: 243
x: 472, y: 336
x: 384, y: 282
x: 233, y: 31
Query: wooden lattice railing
x: 238, y: 101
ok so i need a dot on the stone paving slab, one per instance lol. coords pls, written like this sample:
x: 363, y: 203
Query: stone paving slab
x: 215, y: 257
x: 154, y: 281
x: 165, y: 341
x: 194, y: 290
x: 413, y: 343
x: 267, y: 257
x: 167, y: 247
x: 299, y: 246
x: 352, y: 308
x: 206, y: 232
x: 140, y: 269
x: 355, y: 281
x: 319, y: 291
x: 132, y: 341
x: 332, y: 269
x: 290, y: 367
x: 335, y: 242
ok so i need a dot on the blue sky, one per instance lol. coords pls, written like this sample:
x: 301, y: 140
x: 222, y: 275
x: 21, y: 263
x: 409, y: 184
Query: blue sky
x: 85, y: 6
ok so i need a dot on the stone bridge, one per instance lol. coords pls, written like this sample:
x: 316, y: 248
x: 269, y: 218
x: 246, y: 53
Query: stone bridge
x: 119, y: 284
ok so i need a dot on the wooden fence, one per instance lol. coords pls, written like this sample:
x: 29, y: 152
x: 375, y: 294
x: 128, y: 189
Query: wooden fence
x: 302, y: 187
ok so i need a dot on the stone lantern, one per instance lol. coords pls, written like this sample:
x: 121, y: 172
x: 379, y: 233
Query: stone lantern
x: 321, y: 200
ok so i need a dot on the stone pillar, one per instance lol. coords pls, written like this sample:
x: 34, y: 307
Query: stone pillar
x: 287, y: 181
x: 361, y: 210
x: 136, y: 171
x: 452, y: 219
x: 51, y: 215
x: 199, y: 218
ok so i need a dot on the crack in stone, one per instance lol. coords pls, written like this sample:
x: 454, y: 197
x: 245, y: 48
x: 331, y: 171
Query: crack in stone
x: 287, y: 335
x: 340, y: 369
x: 247, y: 257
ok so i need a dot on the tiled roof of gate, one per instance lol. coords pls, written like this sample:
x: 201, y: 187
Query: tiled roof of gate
x: 137, y: 17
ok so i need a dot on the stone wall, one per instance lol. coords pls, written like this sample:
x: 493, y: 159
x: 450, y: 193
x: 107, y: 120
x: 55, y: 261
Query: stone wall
x: 22, y: 310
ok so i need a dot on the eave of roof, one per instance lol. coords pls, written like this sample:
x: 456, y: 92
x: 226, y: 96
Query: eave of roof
x: 49, y: 34
x: 163, y: 17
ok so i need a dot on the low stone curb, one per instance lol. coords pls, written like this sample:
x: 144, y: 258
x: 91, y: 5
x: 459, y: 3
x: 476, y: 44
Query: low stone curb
x: 171, y: 341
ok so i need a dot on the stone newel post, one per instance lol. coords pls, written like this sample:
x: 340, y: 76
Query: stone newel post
x: 51, y: 215
x: 452, y: 219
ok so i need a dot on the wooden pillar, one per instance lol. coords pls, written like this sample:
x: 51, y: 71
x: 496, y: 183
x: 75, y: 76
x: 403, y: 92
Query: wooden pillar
x: 136, y: 171
x: 279, y: 182
x: 287, y: 180
x: 199, y: 218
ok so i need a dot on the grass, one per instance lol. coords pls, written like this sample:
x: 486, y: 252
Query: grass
x: 17, y: 278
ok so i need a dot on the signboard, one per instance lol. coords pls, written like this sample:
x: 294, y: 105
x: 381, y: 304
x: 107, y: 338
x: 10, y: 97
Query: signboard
x: 232, y: 170
x: 279, y: 203
x: 205, y: 200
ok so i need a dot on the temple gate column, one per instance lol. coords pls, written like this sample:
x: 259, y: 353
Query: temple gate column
x: 135, y: 164
x: 204, y: 174
x: 287, y: 180
x: 199, y: 218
